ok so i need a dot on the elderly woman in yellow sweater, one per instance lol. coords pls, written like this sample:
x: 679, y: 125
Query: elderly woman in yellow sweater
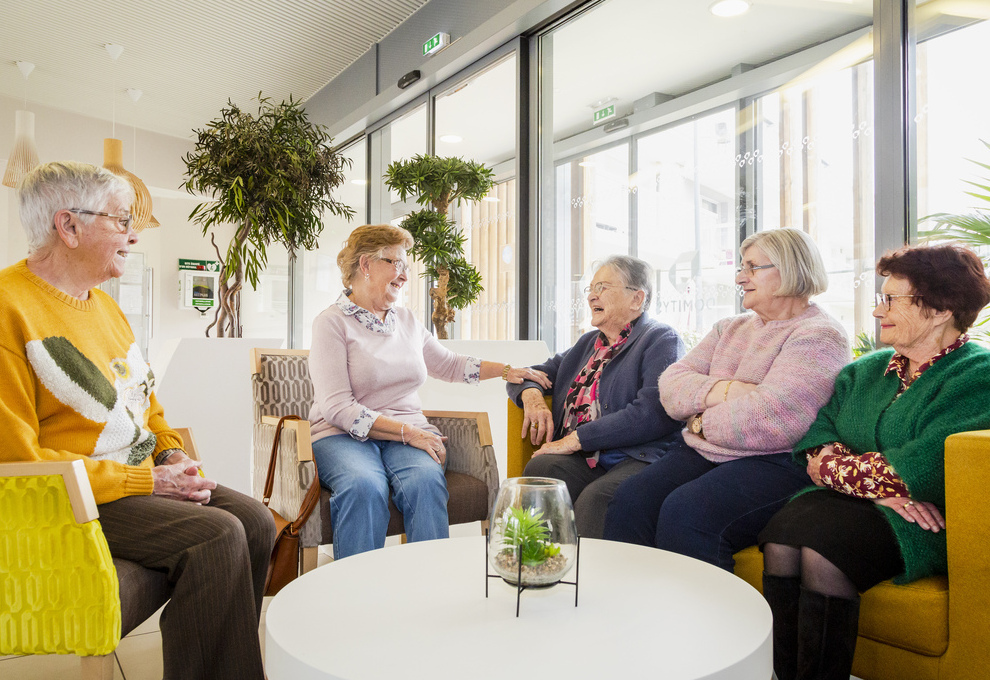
x: 75, y: 387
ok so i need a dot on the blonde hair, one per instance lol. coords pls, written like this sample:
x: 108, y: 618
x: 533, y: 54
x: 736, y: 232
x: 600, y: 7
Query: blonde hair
x: 802, y: 272
x: 369, y: 239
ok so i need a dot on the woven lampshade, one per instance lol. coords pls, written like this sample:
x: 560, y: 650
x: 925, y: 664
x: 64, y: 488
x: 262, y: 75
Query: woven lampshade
x: 113, y: 154
x: 24, y: 156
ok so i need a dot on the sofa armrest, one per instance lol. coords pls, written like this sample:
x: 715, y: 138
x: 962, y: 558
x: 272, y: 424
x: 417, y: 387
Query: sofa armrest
x: 73, y: 473
x: 54, y: 542
x: 967, y: 478
x: 520, y: 449
x: 470, y: 449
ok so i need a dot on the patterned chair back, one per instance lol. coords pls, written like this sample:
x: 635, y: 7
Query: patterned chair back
x: 282, y: 387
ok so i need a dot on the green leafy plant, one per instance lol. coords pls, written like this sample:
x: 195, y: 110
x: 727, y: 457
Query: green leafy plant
x: 527, y: 532
x: 865, y: 343
x: 438, y: 182
x: 271, y: 175
x: 971, y: 229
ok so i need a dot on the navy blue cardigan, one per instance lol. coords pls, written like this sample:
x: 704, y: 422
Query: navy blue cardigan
x: 632, y: 421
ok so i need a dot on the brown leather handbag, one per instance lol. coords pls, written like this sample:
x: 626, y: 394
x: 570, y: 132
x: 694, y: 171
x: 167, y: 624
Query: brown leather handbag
x: 284, y: 565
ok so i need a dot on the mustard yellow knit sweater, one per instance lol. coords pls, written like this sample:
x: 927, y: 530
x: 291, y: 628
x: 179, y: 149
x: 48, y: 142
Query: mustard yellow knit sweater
x: 75, y: 386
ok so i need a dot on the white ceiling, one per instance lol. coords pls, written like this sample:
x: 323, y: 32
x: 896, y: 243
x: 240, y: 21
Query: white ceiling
x: 188, y: 57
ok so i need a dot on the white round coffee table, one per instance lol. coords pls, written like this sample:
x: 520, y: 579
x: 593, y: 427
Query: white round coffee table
x: 419, y: 611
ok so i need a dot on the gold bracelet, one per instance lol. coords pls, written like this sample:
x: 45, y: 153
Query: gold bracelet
x: 725, y: 397
x: 505, y: 372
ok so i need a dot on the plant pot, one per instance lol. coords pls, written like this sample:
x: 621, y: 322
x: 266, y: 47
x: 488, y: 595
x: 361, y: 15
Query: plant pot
x: 532, y: 522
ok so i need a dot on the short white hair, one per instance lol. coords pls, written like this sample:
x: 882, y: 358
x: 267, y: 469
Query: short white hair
x: 61, y: 185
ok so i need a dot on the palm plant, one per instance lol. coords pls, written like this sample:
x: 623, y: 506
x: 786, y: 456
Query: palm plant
x: 971, y: 229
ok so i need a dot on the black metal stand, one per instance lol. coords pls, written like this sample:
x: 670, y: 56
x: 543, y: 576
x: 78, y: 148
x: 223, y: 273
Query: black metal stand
x: 519, y: 584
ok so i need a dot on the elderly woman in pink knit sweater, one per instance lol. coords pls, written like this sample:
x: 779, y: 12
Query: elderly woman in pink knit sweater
x: 370, y: 437
x: 748, y: 391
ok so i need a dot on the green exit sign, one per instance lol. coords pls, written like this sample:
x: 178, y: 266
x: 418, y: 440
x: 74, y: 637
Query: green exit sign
x: 604, y: 114
x: 435, y: 44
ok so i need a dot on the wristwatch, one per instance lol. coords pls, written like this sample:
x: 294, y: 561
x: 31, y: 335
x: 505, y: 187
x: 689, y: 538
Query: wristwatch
x: 695, y: 426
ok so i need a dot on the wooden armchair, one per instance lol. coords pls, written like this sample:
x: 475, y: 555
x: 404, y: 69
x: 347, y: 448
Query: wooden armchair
x: 62, y: 591
x: 936, y: 628
x: 281, y: 386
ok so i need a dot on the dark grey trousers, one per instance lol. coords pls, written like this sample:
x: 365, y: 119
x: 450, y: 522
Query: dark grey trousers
x: 591, y: 488
x: 216, y: 557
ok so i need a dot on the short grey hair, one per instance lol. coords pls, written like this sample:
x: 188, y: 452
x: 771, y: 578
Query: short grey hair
x: 802, y: 272
x: 635, y: 273
x: 60, y: 185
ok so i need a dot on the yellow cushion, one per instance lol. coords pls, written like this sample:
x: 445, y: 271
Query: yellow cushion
x: 57, y: 582
x: 914, y: 617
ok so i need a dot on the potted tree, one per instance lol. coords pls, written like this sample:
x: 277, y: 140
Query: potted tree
x: 271, y: 175
x: 436, y: 183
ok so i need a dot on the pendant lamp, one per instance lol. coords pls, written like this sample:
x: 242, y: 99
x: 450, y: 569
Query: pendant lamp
x: 113, y: 160
x: 24, y: 155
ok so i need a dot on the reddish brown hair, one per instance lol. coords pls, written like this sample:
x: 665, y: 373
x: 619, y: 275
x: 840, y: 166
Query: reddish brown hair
x: 947, y: 277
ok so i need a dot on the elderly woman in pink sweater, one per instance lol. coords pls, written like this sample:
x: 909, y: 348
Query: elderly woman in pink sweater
x: 748, y: 391
x: 370, y: 436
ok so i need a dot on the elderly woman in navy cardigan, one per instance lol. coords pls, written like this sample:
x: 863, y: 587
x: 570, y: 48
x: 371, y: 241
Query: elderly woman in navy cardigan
x: 607, y: 422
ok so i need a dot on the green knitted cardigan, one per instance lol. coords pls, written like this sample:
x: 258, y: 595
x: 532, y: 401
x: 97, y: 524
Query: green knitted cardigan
x: 910, y: 431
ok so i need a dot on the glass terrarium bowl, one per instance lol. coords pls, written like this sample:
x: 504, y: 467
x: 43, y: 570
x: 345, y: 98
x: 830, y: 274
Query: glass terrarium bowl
x: 533, y: 519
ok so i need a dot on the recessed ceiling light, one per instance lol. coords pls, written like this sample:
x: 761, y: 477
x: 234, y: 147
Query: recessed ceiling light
x: 729, y: 8
x: 451, y: 139
x: 360, y: 182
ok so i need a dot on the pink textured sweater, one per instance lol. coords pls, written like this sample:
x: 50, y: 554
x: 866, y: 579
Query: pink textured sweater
x: 794, y: 362
x: 362, y: 369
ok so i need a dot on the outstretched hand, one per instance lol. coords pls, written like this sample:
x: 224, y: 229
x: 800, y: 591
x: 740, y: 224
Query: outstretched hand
x: 517, y: 376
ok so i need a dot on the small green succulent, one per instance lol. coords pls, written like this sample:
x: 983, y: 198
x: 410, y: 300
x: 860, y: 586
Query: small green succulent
x: 526, y: 529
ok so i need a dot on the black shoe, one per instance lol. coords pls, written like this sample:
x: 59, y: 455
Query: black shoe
x: 827, y: 629
x: 782, y: 594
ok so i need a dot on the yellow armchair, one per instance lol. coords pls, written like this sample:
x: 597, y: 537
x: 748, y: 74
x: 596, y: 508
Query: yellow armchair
x: 904, y: 631
x: 59, y: 586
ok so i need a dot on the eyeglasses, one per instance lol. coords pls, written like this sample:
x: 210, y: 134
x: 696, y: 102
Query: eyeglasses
x: 755, y: 268
x: 885, y: 299
x: 400, y: 265
x: 125, y: 221
x: 602, y: 286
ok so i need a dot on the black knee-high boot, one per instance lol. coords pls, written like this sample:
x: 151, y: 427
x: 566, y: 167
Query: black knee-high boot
x: 782, y: 594
x: 827, y: 628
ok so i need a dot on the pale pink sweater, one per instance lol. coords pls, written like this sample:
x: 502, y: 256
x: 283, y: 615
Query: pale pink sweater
x: 359, y: 373
x: 794, y: 362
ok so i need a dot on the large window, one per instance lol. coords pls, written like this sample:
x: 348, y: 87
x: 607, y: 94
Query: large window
x: 675, y: 149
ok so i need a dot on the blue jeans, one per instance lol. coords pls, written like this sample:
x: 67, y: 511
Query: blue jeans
x: 359, y: 476
x: 709, y: 511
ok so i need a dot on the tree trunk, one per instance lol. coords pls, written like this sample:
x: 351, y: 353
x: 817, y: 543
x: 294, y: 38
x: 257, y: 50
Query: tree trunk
x: 441, y: 311
x: 228, y: 317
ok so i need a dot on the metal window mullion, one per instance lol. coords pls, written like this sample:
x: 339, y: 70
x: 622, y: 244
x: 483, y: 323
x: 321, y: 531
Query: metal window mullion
x: 895, y: 215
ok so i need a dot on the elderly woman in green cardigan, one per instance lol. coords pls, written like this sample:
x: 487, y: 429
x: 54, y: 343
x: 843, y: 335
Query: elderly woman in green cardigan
x: 876, y: 454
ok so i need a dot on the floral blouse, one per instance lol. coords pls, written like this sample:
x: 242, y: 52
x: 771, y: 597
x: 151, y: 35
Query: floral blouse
x: 581, y: 402
x: 869, y: 475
